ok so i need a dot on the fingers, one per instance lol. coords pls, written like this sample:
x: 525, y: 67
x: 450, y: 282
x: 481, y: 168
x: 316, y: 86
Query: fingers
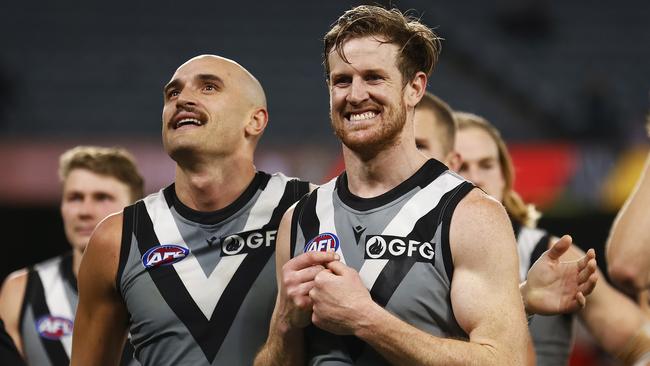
x: 560, y: 247
x: 586, y: 269
x: 589, y: 257
x: 310, y: 259
x: 303, y: 275
x: 588, y: 286
x: 337, y: 267
x: 581, y: 299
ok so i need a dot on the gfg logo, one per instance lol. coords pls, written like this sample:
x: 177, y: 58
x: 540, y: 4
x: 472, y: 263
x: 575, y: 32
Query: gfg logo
x: 246, y: 242
x: 393, y: 247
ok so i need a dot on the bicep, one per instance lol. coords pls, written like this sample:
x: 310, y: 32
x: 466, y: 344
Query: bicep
x: 484, y: 291
x: 101, y: 322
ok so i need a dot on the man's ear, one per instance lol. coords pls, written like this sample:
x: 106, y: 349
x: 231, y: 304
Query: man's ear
x: 416, y: 88
x: 453, y: 161
x: 257, y: 123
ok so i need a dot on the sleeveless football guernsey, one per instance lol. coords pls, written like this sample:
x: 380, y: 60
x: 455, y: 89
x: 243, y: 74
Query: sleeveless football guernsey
x: 200, y: 287
x: 399, y: 244
x: 48, y: 312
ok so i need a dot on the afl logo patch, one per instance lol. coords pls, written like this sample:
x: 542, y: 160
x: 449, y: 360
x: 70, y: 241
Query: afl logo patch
x: 325, y: 242
x: 53, y: 327
x: 163, y: 255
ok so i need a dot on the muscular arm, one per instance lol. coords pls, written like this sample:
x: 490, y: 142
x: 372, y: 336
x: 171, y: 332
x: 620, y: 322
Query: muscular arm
x: 628, y: 246
x: 484, y: 295
x: 11, y: 301
x: 292, y: 312
x: 614, y: 320
x: 100, y: 325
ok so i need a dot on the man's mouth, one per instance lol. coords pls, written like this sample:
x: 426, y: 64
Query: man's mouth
x: 356, y: 116
x: 187, y: 122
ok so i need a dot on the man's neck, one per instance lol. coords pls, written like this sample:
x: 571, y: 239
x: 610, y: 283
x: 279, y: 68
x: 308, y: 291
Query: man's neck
x: 383, y: 172
x: 215, y: 184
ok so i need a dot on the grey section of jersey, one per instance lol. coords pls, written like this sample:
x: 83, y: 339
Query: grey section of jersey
x: 553, y: 338
x: 160, y: 337
x: 32, y: 345
x: 421, y: 298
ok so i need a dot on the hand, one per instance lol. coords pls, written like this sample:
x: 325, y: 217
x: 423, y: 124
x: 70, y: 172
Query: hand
x: 340, y: 299
x: 555, y: 287
x: 297, y: 280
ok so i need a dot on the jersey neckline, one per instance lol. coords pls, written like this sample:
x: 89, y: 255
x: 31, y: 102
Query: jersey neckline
x: 214, y: 217
x: 428, y: 172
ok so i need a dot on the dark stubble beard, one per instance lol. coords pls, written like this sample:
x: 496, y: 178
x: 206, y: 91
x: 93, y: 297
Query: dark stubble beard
x: 384, y: 137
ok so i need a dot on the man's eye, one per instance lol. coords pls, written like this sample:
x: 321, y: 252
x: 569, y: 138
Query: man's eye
x: 173, y: 93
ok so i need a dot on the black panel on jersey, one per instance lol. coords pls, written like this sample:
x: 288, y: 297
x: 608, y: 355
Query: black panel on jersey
x: 295, y: 219
x: 424, y: 229
x: 128, y: 222
x: 54, y: 348
x: 214, y: 217
x: 8, y: 352
x: 462, y: 191
x: 209, y: 334
x: 309, y: 222
x: 540, y: 248
x: 66, y: 271
x: 426, y: 174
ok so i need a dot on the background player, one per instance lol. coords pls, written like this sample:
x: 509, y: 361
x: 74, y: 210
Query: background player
x: 617, y: 324
x: 38, y: 303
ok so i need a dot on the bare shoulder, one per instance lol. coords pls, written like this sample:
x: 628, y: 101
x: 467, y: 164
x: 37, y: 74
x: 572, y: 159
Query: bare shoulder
x: 15, y: 280
x: 101, y: 257
x: 108, y: 234
x: 480, y: 225
x: 13, y: 290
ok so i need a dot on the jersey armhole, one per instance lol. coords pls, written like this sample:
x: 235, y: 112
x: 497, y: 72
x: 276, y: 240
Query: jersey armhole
x: 29, y: 287
x: 295, y: 219
x: 540, y: 248
x: 125, y: 244
x: 450, y: 206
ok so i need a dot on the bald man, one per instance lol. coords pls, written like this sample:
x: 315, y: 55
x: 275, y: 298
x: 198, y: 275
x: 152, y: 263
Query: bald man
x: 189, y: 271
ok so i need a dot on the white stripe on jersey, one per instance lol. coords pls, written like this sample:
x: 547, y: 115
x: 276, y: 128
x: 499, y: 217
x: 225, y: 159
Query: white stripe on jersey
x: 526, y: 242
x: 206, y: 291
x: 325, y: 212
x: 403, y: 222
x: 55, y: 296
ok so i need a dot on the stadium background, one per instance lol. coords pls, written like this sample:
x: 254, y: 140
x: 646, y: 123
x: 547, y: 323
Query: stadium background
x: 566, y: 82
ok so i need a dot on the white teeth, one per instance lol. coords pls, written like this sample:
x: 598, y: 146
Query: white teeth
x: 362, y: 116
x: 185, y: 121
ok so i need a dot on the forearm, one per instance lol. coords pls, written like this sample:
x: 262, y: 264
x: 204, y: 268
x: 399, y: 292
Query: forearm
x: 284, y: 347
x: 403, y: 344
x: 613, y: 319
x: 91, y: 347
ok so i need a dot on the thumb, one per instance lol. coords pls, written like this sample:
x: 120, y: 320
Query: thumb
x: 560, y: 247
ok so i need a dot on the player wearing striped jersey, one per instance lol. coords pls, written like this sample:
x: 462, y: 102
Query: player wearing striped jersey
x: 377, y: 63
x: 618, y: 325
x: 189, y: 269
x: 38, y: 304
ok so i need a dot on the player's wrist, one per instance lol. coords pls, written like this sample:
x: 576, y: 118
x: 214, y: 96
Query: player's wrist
x: 369, y: 321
